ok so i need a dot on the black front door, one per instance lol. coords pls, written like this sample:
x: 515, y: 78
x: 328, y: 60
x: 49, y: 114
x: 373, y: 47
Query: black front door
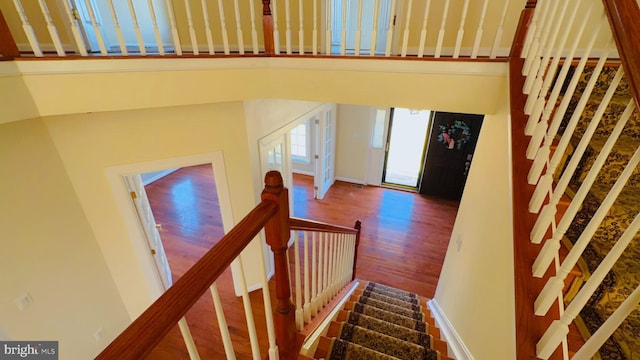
x: 452, y: 141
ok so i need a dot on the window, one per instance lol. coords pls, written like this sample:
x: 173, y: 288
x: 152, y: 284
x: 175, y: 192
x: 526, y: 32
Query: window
x: 300, y: 147
x: 377, y: 137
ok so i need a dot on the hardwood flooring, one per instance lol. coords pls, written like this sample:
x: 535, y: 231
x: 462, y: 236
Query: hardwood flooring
x: 403, y: 243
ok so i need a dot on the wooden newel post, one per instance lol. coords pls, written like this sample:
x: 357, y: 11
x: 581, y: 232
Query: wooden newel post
x: 8, y: 47
x: 358, y: 226
x: 267, y: 26
x: 277, y: 233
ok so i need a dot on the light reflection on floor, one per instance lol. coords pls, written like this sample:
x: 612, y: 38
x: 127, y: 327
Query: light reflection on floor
x: 184, y: 197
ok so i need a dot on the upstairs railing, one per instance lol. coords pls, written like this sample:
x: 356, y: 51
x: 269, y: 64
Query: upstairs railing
x: 329, y: 261
x: 399, y: 28
x: 575, y: 81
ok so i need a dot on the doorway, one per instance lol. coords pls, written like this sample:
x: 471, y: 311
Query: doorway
x: 405, y: 147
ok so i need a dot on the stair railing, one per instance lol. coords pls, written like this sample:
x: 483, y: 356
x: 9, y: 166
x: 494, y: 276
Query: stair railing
x: 329, y: 250
x: 453, y: 29
x: 324, y: 263
x: 553, y: 128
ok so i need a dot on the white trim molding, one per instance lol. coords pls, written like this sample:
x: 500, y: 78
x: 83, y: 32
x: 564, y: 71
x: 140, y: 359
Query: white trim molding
x: 454, y: 341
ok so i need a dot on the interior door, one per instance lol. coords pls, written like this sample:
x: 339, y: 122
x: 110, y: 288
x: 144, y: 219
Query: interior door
x: 326, y: 148
x: 148, y: 222
x: 375, y: 161
x: 452, y: 141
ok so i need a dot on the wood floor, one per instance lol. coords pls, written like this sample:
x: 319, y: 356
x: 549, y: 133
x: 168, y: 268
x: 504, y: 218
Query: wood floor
x: 403, y: 243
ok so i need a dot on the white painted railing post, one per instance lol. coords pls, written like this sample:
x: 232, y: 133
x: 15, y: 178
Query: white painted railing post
x: 443, y: 24
x: 374, y: 28
x: 276, y: 31
x: 480, y: 31
x: 188, y: 339
x: 156, y: 28
x: 463, y: 20
x: 541, y: 14
x: 28, y: 29
x: 423, y: 32
x: 75, y: 29
x: 248, y: 311
x: 136, y: 27
x: 358, y: 29
x: 536, y: 61
x: 343, y: 32
x: 405, y: 37
x: 222, y: 323
x: 118, y: 29
x: 174, y: 28
x: 223, y: 28
x: 390, y: 29
x: 207, y: 27
x: 315, y: 28
x: 254, y: 31
x: 53, y: 32
x: 236, y: 8
x: 307, y: 295
x: 498, y: 36
x: 301, y: 27
x: 268, y: 310
x: 314, y: 273
x: 298, y: 287
x: 96, y: 27
x: 287, y: 17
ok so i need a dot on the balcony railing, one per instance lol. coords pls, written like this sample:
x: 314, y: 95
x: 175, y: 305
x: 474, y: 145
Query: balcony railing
x: 383, y: 28
x: 576, y: 130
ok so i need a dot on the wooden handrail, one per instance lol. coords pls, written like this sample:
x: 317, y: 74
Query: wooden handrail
x: 623, y: 19
x: 267, y: 26
x: 310, y: 225
x: 137, y: 340
x: 8, y: 48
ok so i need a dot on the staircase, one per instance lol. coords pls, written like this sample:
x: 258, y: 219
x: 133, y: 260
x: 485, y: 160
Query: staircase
x: 382, y: 322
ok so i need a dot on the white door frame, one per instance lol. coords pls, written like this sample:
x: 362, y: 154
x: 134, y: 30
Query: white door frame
x: 135, y: 230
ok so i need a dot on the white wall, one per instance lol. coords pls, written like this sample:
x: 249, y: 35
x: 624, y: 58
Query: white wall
x: 476, y: 286
x: 354, y: 127
x: 49, y: 250
x: 89, y: 144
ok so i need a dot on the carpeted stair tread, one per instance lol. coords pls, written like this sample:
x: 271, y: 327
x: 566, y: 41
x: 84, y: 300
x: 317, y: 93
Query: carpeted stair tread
x: 413, y: 312
x: 388, y: 299
x: 339, y: 349
x: 430, y: 338
x: 382, y: 343
x: 391, y: 292
x: 387, y: 316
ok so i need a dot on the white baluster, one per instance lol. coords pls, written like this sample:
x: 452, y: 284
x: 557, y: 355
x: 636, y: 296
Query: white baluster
x: 254, y: 31
x: 359, y: 29
x: 223, y: 28
x: 268, y: 310
x: 555, y: 283
x: 53, y: 32
x: 300, y: 28
x: 423, y: 32
x: 222, y: 323
x: 343, y: 33
x: 552, y: 245
x: 533, y: 27
x: 136, y: 27
x: 541, y: 189
x: 314, y: 274
x: 476, y: 42
x: 276, y: 31
x: 331, y: 265
x: 327, y: 36
x: 543, y: 154
x: 443, y: 24
x: 551, y: 339
x: 344, y: 260
x: 315, y: 28
x: 318, y: 300
x: 539, y: 69
x: 116, y: 25
x: 534, y: 143
x: 327, y: 259
x: 533, y: 63
x: 156, y: 28
x: 405, y: 37
x: 28, y: 30
x: 540, y: 227
x: 498, y: 37
x: 390, y: 29
x: 463, y: 19
x: 299, y: 311
x: 374, y: 28
x: 543, y: 20
x: 207, y: 27
x: 606, y: 330
x: 75, y: 30
x: 236, y: 7
x: 96, y: 27
x: 174, y: 28
x: 246, y: 302
x: 188, y: 339
x: 307, y: 294
x: 287, y: 16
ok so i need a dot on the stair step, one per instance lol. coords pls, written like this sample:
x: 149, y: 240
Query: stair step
x: 395, y: 330
x: 412, y: 312
x: 391, y: 317
x: 327, y: 349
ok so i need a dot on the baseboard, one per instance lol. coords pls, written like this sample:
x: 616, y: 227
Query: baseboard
x: 456, y: 345
x: 349, y: 180
x: 302, y: 172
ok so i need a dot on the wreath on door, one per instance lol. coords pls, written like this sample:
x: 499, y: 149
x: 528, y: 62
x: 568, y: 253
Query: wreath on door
x: 454, y: 135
